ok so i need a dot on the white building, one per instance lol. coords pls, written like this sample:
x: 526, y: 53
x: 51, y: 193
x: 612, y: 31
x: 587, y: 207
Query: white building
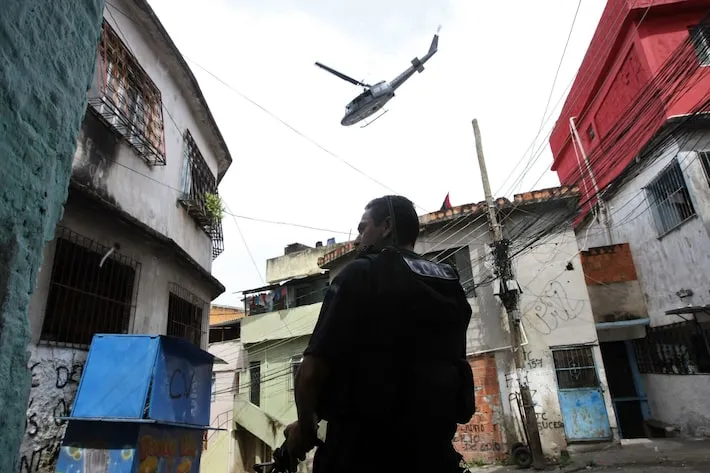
x: 134, y: 249
x: 563, y: 363
x: 649, y: 281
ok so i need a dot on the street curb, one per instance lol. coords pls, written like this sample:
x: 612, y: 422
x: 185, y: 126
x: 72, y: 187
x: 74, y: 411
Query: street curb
x: 575, y: 469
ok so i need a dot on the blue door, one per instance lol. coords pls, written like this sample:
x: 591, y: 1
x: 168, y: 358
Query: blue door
x: 581, y: 399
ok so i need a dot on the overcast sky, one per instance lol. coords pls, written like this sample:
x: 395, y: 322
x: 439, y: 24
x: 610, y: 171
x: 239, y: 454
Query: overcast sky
x: 496, y: 62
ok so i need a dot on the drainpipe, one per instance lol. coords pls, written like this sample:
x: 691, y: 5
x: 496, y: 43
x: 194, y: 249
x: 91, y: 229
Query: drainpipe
x: 602, y: 207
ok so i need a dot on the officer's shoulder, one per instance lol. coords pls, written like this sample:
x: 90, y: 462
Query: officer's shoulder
x: 426, y: 268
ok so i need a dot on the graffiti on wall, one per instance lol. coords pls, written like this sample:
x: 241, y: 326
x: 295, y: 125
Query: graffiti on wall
x: 56, y: 373
x: 551, y: 308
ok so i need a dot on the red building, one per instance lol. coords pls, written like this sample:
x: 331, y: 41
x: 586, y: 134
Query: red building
x: 643, y: 67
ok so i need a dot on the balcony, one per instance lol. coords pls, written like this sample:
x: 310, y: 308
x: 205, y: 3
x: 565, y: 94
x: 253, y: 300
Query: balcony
x: 200, y: 197
x: 281, y: 324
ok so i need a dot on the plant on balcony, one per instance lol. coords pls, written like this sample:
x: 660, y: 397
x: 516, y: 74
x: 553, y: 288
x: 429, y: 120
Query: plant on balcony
x: 214, y: 207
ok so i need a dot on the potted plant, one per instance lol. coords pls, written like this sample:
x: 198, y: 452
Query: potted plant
x: 214, y: 207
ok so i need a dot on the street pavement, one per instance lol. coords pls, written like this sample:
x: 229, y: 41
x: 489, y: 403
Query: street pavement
x: 633, y: 456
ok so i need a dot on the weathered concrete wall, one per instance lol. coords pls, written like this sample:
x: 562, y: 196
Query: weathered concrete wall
x: 47, y: 58
x: 677, y: 260
x: 680, y: 400
x: 108, y: 163
x: 301, y: 263
x: 56, y: 373
x: 555, y: 310
x: 158, y: 269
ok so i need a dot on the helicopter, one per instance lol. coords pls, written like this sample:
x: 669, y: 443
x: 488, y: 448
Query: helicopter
x: 376, y: 96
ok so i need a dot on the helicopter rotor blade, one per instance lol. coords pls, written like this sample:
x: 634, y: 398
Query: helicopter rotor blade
x: 342, y: 76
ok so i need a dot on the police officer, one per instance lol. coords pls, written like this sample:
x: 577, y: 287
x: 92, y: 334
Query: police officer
x: 386, y: 364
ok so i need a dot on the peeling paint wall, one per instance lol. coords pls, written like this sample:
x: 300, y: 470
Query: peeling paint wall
x: 56, y: 373
x: 108, y: 163
x: 47, y: 55
x: 666, y: 264
x: 555, y: 311
x: 677, y: 260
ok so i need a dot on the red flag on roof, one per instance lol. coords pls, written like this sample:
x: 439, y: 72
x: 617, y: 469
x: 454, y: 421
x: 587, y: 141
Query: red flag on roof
x: 447, y: 203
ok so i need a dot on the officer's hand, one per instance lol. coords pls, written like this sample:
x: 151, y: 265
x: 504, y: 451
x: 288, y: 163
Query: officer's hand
x: 299, y: 442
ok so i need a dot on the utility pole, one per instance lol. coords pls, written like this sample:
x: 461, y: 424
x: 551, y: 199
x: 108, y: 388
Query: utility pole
x: 509, y: 295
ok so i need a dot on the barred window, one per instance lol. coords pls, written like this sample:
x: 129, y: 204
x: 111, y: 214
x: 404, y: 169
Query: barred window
x: 128, y: 100
x: 92, y: 290
x: 669, y: 199
x: 700, y: 36
x: 679, y: 348
x: 704, y: 157
x: 199, y: 185
x: 185, y: 313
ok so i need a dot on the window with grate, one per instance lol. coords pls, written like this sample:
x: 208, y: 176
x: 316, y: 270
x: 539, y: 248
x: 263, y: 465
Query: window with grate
x: 198, y: 185
x: 575, y: 368
x: 255, y: 382
x: 700, y: 36
x: 128, y: 100
x: 669, y: 199
x: 185, y: 312
x: 704, y: 157
x: 92, y: 290
x: 460, y: 260
x: 680, y: 348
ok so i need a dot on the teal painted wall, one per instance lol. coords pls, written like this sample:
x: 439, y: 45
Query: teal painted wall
x: 47, y: 59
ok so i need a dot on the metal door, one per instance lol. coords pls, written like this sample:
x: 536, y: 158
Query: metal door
x: 581, y: 399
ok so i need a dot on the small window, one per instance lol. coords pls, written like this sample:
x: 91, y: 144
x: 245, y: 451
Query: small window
x: 590, y: 133
x: 214, y: 387
x: 460, y: 260
x: 255, y: 382
x: 669, y: 198
x: 575, y: 368
x: 185, y: 315
x: 700, y: 36
x: 704, y: 157
x: 295, y: 365
x: 92, y: 290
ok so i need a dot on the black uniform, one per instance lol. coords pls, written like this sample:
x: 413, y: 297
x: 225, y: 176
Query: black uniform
x: 393, y: 329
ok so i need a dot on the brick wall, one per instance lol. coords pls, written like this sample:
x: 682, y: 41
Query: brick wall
x: 608, y: 264
x: 481, y: 439
x: 47, y: 57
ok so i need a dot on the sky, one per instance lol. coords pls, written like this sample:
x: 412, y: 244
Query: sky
x: 254, y: 60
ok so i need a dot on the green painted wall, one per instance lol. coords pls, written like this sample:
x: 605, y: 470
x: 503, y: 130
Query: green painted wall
x: 47, y: 59
x: 277, y: 385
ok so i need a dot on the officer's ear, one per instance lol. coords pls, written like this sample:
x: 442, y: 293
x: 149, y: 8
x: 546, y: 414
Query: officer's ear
x: 387, y: 227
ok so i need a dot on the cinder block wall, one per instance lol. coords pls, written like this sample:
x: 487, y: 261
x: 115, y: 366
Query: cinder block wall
x: 47, y: 59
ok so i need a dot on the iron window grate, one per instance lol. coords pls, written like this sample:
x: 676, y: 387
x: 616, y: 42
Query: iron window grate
x: 198, y: 182
x: 128, y: 100
x: 669, y: 199
x: 679, y: 348
x: 185, y: 314
x: 575, y: 368
x: 92, y: 290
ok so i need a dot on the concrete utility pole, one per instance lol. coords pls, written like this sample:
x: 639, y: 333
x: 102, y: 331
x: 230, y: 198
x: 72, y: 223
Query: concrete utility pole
x: 509, y: 294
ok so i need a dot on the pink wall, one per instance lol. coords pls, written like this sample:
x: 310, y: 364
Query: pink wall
x: 615, y: 94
